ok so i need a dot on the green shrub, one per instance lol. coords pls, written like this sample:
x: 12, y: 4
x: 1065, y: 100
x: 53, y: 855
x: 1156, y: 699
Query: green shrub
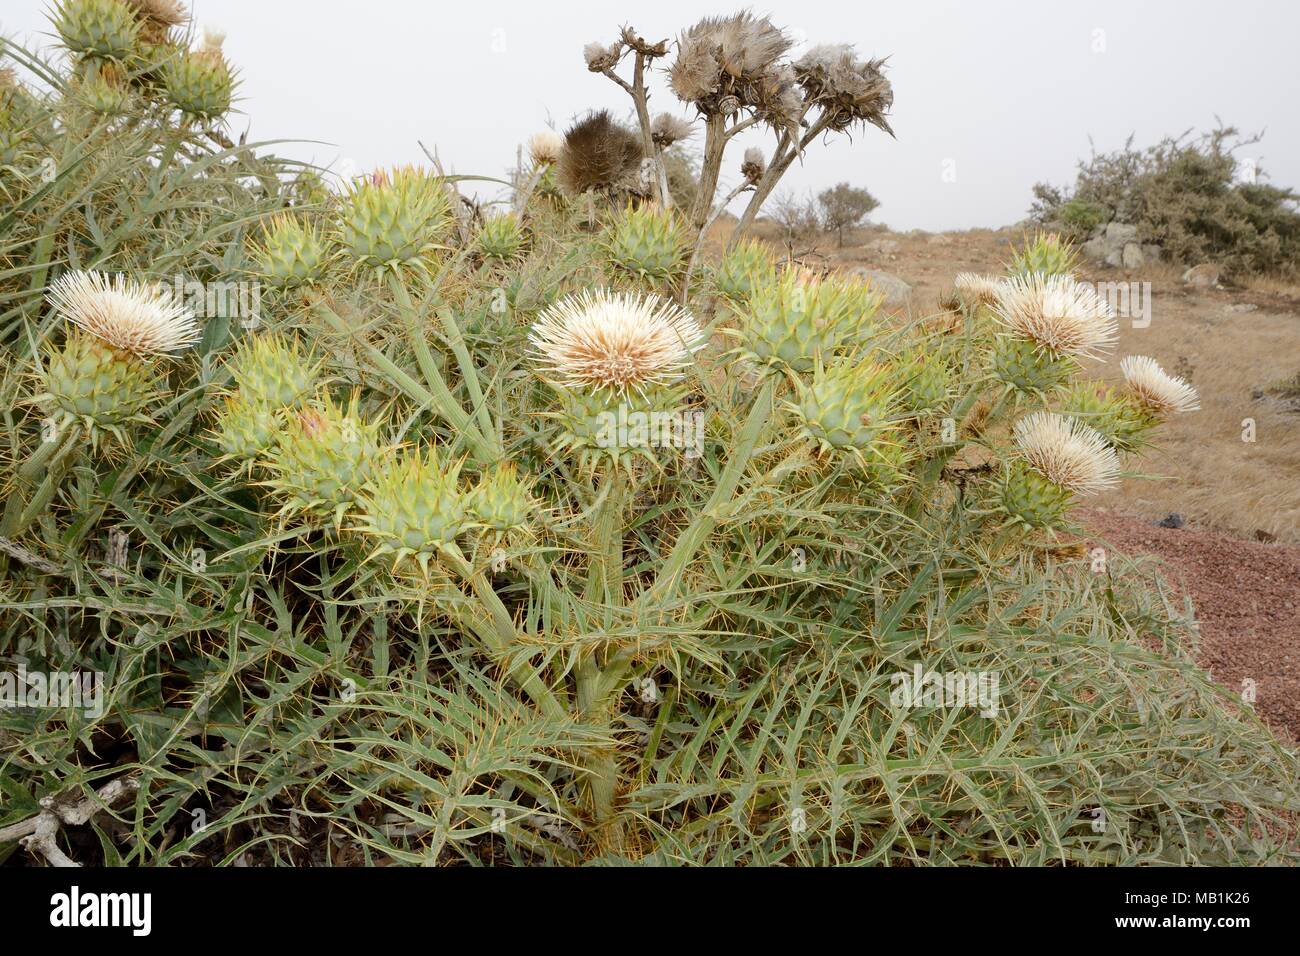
x: 1192, y: 197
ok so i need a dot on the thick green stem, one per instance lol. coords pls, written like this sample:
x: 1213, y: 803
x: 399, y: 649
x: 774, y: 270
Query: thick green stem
x: 43, y: 470
x: 697, y: 532
x: 502, y: 637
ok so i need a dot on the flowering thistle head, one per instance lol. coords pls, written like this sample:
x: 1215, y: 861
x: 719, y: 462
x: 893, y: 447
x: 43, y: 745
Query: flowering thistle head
x: 1154, y: 390
x: 618, y: 342
x: 1067, y: 452
x: 976, y: 289
x: 127, y: 315
x: 1057, y: 314
x: 544, y: 147
x: 1058, y: 458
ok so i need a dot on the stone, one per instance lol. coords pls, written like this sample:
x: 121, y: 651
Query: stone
x: 1132, y: 257
x: 1174, y: 520
x: 1204, y: 276
x: 1118, y: 237
x: 897, y: 292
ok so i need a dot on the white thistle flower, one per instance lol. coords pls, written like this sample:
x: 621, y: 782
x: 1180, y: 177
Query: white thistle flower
x: 213, y: 39
x: 1058, y: 314
x: 617, y: 341
x: 1155, y: 388
x: 1067, y: 452
x: 979, y: 288
x: 142, y: 319
x: 545, y: 147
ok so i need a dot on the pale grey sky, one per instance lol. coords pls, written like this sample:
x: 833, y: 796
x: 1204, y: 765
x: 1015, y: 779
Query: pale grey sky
x: 1000, y: 93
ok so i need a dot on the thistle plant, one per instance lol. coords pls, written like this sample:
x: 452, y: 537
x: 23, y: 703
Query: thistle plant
x: 648, y: 243
x: 562, y: 643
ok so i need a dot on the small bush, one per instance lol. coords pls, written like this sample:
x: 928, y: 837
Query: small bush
x: 1192, y: 197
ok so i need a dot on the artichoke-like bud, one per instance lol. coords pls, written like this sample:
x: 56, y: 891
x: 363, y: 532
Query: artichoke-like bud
x: 291, y: 254
x: 394, y: 219
x: 91, y: 382
x: 246, y: 429
x: 413, y: 507
x: 928, y: 382
x: 846, y: 407
x: 199, y: 82
x: 1026, y: 367
x: 1058, y: 457
x: 744, y: 266
x: 1113, y: 417
x: 501, y: 237
x: 102, y: 28
x: 649, y: 242
x: 501, y: 502
x: 271, y: 370
x: 1046, y: 254
x: 325, y: 456
x: 104, y: 91
x: 1033, y: 500
x: 792, y: 321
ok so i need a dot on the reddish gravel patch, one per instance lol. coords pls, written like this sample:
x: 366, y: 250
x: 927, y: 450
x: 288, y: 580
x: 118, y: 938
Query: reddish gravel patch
x: 1247, y: 600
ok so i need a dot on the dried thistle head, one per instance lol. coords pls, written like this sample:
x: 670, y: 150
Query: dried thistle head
x: 168, y: 13
x: 849, y: 90
x: 545, y: 147
x: 668, y: 129
x: 600, y: 57
x: 725, y: 64
x: 1057, y: 314
x: 130, y: 316
x: 1067, y: 452
x: 753, y: 165
x: 615, y: 341
x: 1155, y: 390
x: 599, y: 154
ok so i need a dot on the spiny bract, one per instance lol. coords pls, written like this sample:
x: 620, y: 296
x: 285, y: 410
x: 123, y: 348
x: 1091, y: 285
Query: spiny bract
x: 791, y: 321
x: 394, y: 219
x: 271, y: 369
x: 101, y: 28
x: 292, y: 252
x: 647, y: 241
x: 413, y: 506
x: 324, y: 458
